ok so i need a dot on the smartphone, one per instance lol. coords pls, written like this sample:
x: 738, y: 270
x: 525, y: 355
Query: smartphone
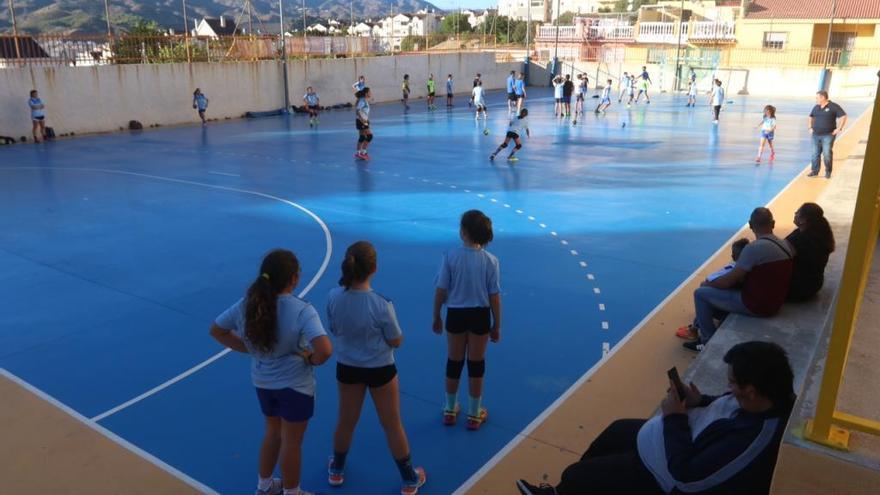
x: 676, y: 380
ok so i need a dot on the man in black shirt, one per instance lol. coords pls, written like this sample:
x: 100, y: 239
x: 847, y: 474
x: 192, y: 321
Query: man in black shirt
x: 567, y: 91
x: 824, y: 127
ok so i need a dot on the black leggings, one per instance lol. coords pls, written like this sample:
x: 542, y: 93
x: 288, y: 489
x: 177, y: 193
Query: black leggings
x: 717, y: 109
x: 611, y: 466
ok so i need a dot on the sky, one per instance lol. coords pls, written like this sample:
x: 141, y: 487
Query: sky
x: 464, y: 4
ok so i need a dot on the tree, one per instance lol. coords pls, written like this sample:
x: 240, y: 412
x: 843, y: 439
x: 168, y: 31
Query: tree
x: 623, y: 5
x: 566, y: 19
x: 455, y: 23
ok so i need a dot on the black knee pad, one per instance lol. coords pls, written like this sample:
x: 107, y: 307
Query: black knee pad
x: 503, y: 145
x: 369, y: 137
x: 362, y: 138
x: 519, y: 146
x: 453, y: 369
x: 476, y: 369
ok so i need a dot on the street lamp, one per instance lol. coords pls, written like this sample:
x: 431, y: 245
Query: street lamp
x: 556, y: 46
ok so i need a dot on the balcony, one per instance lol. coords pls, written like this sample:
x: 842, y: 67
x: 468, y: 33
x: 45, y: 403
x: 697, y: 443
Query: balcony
x: 614, y: 32
x: 566, y: 33
x: 661, y: 32
x: 713, y: 31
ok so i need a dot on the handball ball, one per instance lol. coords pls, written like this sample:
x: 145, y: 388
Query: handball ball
x: 485, y: 132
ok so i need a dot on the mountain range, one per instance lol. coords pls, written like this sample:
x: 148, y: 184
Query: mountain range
x: 87, y: 16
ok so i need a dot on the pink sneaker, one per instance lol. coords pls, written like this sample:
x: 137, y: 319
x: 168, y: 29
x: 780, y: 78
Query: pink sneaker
x: 475, y: 422
x: 450, y: 417
x: 772, y: 156
x: 412, y: 487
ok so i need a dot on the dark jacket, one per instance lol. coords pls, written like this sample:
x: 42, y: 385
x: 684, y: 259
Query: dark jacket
x: 808, y: 273
x: 732, y: 456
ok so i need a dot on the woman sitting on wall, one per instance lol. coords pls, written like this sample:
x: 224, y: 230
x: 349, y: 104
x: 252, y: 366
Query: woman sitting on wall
x: 813, y: 242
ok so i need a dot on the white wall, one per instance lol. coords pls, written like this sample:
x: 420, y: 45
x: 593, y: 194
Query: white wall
x: 105, y: 98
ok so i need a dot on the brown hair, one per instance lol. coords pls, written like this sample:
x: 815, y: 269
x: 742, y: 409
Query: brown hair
x: 277, y: 270
x: 358, y: 264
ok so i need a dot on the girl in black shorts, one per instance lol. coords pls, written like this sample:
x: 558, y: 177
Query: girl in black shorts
x: 468, y: 284
x: 366, y: 330
x: 362, y: 123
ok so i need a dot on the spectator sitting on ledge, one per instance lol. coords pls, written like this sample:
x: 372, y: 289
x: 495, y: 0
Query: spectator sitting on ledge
x: 813, y: 242
x: 698, y: 444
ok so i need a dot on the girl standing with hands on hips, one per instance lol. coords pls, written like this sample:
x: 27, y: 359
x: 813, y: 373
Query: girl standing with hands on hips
x: 365, y: 327
x: 468, y: 284
x: 284, y: 336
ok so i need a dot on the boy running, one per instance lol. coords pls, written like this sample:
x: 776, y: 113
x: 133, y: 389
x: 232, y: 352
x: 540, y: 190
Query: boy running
x: 606, y: 97
x: 515, y: 129
x: 312, y: 101
x: 476, y: 80
x: 644, y: 82
x: 692, y: 94
x: 623, y: 87
x: 200, y: 102
x: 479, y: 101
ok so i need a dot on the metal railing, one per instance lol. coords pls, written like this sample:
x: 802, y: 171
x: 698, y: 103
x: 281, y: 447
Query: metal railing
x: 61, y: 50
x: 713, y: 31
x: 661, y: 32
x: 612, y: 32
x: 566, y: 33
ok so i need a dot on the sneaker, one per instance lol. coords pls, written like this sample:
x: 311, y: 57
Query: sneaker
x: 772, y: 156
x: 694, y: 345
x: 526, y: 488
x: 492, y: 157
x: 813, y: 174
x: 715, y: 122
x: 275, y: 488
x: 757, y: 159
x: 828, y: 175
x: 359, y: 156
x: 450, y: 417
x: 688, y: 332
x: 512, y: 159
x: 335, y: 477
x: 412, y: 487
x: 475, y: 422
x: 365, y: 156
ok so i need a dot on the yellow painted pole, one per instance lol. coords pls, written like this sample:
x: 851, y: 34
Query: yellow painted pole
x: 862, y: 241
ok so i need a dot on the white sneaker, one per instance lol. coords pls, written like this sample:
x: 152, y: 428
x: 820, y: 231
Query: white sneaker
x: 275, y: 488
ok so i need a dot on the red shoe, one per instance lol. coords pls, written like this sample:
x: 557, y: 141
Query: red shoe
x: 772, y: 156
x: 450, y: 417
x: 359, y: 156
x: 412, y: 487
x: 687, y: 333
x: 475, y: 422
x: 365, y: 157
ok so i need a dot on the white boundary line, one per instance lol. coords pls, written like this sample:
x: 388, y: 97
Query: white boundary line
x: 195, y: 484
x: 328, y: 252
x: 495, y: 459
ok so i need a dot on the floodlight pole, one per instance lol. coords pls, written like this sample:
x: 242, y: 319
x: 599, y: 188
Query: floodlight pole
x: 528, y: 32
x: 828, y: 40
x: 186, y: 33
x: 14, y: 30
x: 107, y: 15
x: 556, y: 46
x: 283, y: 55
x: 677, y: 79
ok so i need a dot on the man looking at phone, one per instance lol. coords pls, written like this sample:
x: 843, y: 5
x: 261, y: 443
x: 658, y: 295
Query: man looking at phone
x: 696, y: 444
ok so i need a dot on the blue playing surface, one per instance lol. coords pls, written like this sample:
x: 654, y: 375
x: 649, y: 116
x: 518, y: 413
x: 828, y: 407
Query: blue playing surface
x: 118, y: 251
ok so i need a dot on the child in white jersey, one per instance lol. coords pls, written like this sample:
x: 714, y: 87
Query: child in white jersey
x: 624, y: 87
x: 605, y: 102
x: 582, y: 90
x: 366, y: 333
x: 468, y: 285
x: 515, y: 129
x: 312, y: 101
x: 284, y: 336
x: 558, y: 95
x: 768, y: 132
x: 478, y: 100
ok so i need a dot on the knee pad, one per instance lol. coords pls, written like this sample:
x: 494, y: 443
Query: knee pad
x: 517, y: 147
x: 504, y: 145
x: 362, y: 138
x: 476, y: 369
x: 453, y: 369
x: 369, y: 137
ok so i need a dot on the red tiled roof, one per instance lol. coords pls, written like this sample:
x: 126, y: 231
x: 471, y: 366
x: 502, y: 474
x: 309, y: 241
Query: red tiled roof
x: 813, y: 9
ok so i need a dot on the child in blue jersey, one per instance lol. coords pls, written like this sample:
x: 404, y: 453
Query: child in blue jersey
x: 38, y: 116
x: 468, y: 284
x: 515, y: 129
x: 366, y: 332
x: 449, y: 90
x: 645, y: 82
x: 692, y: 94
x: 511, y: 93
x: 362, y: 123
x: 360, y: 84
x: 284, y: 336
x: 312, y: 101
x: 605, y: 102
x: 200, y: 102
x: 768, y: 132
x: 519, y: 88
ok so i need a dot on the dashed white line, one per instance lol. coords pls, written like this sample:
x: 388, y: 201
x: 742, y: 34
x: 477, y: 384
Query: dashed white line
x: 573, y: 252
x: 583, y: 264
x: 590, y: 276
x: 531, y: 218
x: 225, y: 174
x: 604, y: 325
x: 554, y: 234
x: 601, y: 307
x: 564, y: 242
x: 542, y: 225
x: 506, y: 205
x: 596, y: 290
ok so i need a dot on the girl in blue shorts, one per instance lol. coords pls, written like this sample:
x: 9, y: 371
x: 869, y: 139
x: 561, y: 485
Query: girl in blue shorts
x: 366, y: 331
x: 768, y: 131
x: 468, y: 284
x: 284, y: 336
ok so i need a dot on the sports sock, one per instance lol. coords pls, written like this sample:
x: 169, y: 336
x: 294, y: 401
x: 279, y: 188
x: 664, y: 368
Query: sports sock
x: 339, y: 460
x: 451, y: 399
x: 406, y: 469
x: 264, y: 483
x: 474, y: 402
x: 291, y: 491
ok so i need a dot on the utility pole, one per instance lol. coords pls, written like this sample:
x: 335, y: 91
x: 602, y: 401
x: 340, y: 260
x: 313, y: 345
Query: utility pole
x: 528, y: 51
x: 186, y: 33
x: 305, y: 40
x: 556, y: 46
x: 107, y: 16
x: 825, y: 78
x: 14, y: 30
x: 677, y: 79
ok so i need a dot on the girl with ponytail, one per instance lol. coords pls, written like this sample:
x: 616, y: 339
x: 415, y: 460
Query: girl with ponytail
x: 284, y: 336
x: 813, y: 242
x: 364, y: 325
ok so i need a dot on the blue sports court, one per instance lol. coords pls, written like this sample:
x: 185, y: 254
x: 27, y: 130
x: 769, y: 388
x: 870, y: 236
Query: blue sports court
x: 118, y: 251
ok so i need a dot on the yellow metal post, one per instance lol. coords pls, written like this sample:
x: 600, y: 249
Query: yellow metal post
x: 862, y: 241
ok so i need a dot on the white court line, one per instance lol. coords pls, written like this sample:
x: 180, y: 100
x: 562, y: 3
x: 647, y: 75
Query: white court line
x: 327, y: 240
x: 223, y: 173
x: 522, y: 435
x: 195, y: 484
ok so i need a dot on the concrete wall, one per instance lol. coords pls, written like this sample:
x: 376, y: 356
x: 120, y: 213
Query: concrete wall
x: 105, y: 98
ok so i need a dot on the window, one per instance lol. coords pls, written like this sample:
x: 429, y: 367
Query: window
x: 775, y: 41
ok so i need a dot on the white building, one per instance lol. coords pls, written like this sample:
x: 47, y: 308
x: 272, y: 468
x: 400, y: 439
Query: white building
x: 545, y: 10
x: 360, y: 29
x: 392, y: 30
x: 317, y: 28
x: 214, y: 28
